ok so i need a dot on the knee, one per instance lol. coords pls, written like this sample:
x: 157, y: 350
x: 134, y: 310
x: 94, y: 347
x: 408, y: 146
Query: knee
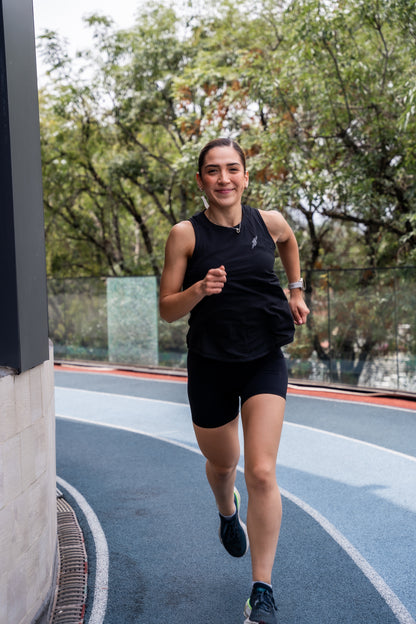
x: 222, y: 471
x: 260, y: 477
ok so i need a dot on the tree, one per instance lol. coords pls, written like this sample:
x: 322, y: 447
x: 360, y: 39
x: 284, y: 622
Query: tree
x: 114, y: 154
x: 340, y: 88
x: 328, y: 136
x: 321, y: 96
x: 331, y: 145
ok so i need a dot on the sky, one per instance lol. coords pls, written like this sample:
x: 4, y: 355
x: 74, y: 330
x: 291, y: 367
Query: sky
x: 65, y: 16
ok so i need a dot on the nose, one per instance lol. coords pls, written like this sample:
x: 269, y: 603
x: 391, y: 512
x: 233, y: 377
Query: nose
x: 223, y: 176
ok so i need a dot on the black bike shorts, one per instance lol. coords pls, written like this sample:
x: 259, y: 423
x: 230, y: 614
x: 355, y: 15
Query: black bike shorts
x: 215, y: 388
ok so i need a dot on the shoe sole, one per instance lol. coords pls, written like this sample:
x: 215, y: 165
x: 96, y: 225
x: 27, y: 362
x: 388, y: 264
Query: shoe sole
x: 238, y: 497
x: 247, y: 613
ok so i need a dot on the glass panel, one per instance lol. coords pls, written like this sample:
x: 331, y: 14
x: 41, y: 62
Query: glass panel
x: 132, y: 320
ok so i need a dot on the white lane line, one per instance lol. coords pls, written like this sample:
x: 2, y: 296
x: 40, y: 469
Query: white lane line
x: 294, y: 395
x: 350, y: 439
x: 397, y: 607
x: 286, y: 423
x: 99, y: 606
x: 388, y: 595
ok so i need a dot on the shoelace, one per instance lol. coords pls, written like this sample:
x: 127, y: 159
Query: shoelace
x: 264, y: 600
x: 232, y: 529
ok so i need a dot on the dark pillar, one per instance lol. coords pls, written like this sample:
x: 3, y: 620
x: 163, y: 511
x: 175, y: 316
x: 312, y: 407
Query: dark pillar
x: 23, y: 295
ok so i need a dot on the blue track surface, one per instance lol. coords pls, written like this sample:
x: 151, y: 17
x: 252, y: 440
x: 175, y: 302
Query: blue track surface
x: 348, y: 475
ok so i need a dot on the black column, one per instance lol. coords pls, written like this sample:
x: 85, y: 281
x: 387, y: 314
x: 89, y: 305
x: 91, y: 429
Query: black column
x: 23, y: 295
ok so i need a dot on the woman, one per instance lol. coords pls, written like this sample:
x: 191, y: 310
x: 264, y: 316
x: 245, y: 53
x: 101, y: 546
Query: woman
x: 219, y: 267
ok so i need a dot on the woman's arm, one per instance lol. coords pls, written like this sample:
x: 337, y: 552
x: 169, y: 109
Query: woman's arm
x: 174, y: 303
x: 286, y: 242
x: 289, y: 255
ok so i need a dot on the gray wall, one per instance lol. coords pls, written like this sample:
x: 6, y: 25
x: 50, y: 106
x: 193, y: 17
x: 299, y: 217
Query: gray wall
x: 28, y: 531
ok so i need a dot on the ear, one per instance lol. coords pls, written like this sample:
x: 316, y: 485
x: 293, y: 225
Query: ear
x: 199, y: 182
x: 246, y: 182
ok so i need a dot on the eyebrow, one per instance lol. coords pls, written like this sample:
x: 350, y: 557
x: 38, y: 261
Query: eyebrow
x: 232, y: 164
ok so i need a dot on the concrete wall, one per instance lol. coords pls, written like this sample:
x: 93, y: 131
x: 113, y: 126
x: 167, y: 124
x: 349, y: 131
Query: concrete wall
x: 28, y: 532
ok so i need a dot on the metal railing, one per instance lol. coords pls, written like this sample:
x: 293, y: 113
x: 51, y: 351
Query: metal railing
x: 361, y: 330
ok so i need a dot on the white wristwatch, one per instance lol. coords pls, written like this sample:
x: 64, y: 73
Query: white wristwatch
x: 298, y: 284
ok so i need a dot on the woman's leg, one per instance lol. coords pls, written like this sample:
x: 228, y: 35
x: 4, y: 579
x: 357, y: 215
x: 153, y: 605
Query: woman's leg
x: 262, y: 418
x: 221, y: 448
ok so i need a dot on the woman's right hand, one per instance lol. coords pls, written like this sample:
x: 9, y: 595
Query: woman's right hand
x: 214, y: 281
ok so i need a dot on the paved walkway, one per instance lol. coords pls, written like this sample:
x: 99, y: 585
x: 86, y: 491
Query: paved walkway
x: 128, y: 462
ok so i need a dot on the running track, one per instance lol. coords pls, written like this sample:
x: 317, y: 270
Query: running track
x: 128, y: 463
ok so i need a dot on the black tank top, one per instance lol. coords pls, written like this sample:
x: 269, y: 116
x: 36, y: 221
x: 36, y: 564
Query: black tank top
x: 251, y: 316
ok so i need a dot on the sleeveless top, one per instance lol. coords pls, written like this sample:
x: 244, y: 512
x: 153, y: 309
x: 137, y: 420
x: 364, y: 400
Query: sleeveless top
x: 251, y: 316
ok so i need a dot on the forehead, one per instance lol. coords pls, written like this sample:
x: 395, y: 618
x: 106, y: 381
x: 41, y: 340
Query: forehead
x: 223, y: 155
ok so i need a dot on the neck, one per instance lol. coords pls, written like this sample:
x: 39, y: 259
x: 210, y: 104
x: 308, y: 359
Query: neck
x: 230, y: 219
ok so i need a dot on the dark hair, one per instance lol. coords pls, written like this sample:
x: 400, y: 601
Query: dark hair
x: 220, y: 143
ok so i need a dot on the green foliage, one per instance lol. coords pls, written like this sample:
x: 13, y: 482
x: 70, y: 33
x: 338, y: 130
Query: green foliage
x: 321, y: 95
x: 340, y: 78
x: 111, y: 150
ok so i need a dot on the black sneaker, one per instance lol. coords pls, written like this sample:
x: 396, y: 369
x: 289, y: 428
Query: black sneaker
x: 260, y: 607
x: 233, y: 532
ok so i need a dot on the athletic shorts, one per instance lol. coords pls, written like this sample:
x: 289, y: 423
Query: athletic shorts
x: 215, y: 388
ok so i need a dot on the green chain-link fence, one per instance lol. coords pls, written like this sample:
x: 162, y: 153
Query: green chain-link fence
x: 361, y: 330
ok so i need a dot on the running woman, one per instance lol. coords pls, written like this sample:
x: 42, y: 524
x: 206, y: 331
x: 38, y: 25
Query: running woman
x: 219, y: 267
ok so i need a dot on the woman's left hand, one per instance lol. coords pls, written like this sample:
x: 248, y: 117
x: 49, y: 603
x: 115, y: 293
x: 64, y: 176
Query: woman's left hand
x: 298, y: 307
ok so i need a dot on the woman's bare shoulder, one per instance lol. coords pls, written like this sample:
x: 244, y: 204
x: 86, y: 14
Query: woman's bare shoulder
x: 182, y: 236
x: 275, y: 223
